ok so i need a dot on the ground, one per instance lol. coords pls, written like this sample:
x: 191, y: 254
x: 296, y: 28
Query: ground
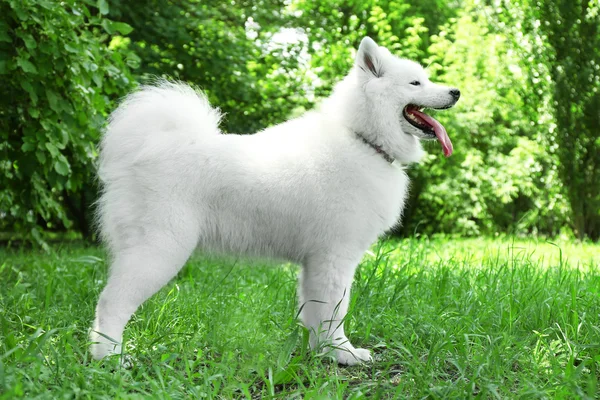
x: 445, y: 318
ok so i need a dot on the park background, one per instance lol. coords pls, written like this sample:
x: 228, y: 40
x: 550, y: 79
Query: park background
x: 489, y: 289
x: 526, y: 130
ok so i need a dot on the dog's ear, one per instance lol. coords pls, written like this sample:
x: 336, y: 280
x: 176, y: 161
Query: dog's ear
x: 368, y: 58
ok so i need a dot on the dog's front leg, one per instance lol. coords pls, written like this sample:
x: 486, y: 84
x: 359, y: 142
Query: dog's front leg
x: 324, y: 294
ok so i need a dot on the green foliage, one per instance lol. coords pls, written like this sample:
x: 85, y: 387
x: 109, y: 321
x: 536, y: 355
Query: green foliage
x: 401, y: 26
x: 59, y: 76
x: 227, y: 49
x: 525, y: 130
x: 501, y: 177
x: 561, y: 42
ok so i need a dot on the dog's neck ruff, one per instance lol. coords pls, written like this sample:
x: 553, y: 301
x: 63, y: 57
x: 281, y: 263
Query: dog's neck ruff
x: 377, y: 148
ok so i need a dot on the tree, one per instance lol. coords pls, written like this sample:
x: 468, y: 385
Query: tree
x: 562, y: 42
x: 224, y: 48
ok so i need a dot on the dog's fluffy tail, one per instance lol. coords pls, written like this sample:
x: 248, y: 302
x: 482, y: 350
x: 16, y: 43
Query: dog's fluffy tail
x: 154, y: 120
x: 150, y: 129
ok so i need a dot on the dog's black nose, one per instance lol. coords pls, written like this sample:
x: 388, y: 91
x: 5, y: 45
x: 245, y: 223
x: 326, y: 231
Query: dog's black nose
x: 455, y: 93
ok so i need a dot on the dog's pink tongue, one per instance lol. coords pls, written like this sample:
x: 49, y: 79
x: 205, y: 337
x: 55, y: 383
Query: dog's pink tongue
x: 440, y: 132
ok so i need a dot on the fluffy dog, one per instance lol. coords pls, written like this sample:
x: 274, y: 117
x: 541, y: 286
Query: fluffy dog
x: 317, y: 190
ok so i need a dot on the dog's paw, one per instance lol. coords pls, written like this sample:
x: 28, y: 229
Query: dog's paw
x: 103, y: 346
x: 126, y: 361
x: 352, y: 356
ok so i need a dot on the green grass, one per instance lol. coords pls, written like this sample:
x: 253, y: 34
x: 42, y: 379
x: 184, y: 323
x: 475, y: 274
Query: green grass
x: 445, y: 318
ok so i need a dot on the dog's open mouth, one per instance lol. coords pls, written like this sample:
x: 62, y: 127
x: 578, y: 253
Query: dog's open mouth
x: 429, y: 126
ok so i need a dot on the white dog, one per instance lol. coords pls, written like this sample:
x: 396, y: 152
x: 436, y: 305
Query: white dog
x: 317, y: 190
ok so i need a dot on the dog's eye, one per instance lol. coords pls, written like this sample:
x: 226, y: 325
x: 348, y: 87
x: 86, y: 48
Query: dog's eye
x: 415, y: 83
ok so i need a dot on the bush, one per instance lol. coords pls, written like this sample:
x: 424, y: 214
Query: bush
x: 502, y: 176
x: 62, y: 67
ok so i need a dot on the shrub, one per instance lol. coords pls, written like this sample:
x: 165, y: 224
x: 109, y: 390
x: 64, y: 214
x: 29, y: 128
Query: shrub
x: 62, y: 66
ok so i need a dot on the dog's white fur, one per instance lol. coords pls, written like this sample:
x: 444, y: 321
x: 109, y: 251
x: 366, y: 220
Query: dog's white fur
x: 308, y: 190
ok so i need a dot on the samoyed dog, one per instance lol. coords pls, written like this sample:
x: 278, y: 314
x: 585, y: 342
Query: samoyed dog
x: 317, y: 190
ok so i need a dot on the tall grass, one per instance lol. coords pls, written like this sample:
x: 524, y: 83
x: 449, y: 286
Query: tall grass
x: 445, y: 318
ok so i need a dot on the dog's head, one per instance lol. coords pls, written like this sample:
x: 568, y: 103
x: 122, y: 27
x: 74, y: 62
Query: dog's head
x: 393, y: 94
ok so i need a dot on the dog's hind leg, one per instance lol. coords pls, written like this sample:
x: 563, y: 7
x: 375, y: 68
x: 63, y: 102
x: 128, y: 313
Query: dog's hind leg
x: 324, y: 293
x: 135, y: 274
